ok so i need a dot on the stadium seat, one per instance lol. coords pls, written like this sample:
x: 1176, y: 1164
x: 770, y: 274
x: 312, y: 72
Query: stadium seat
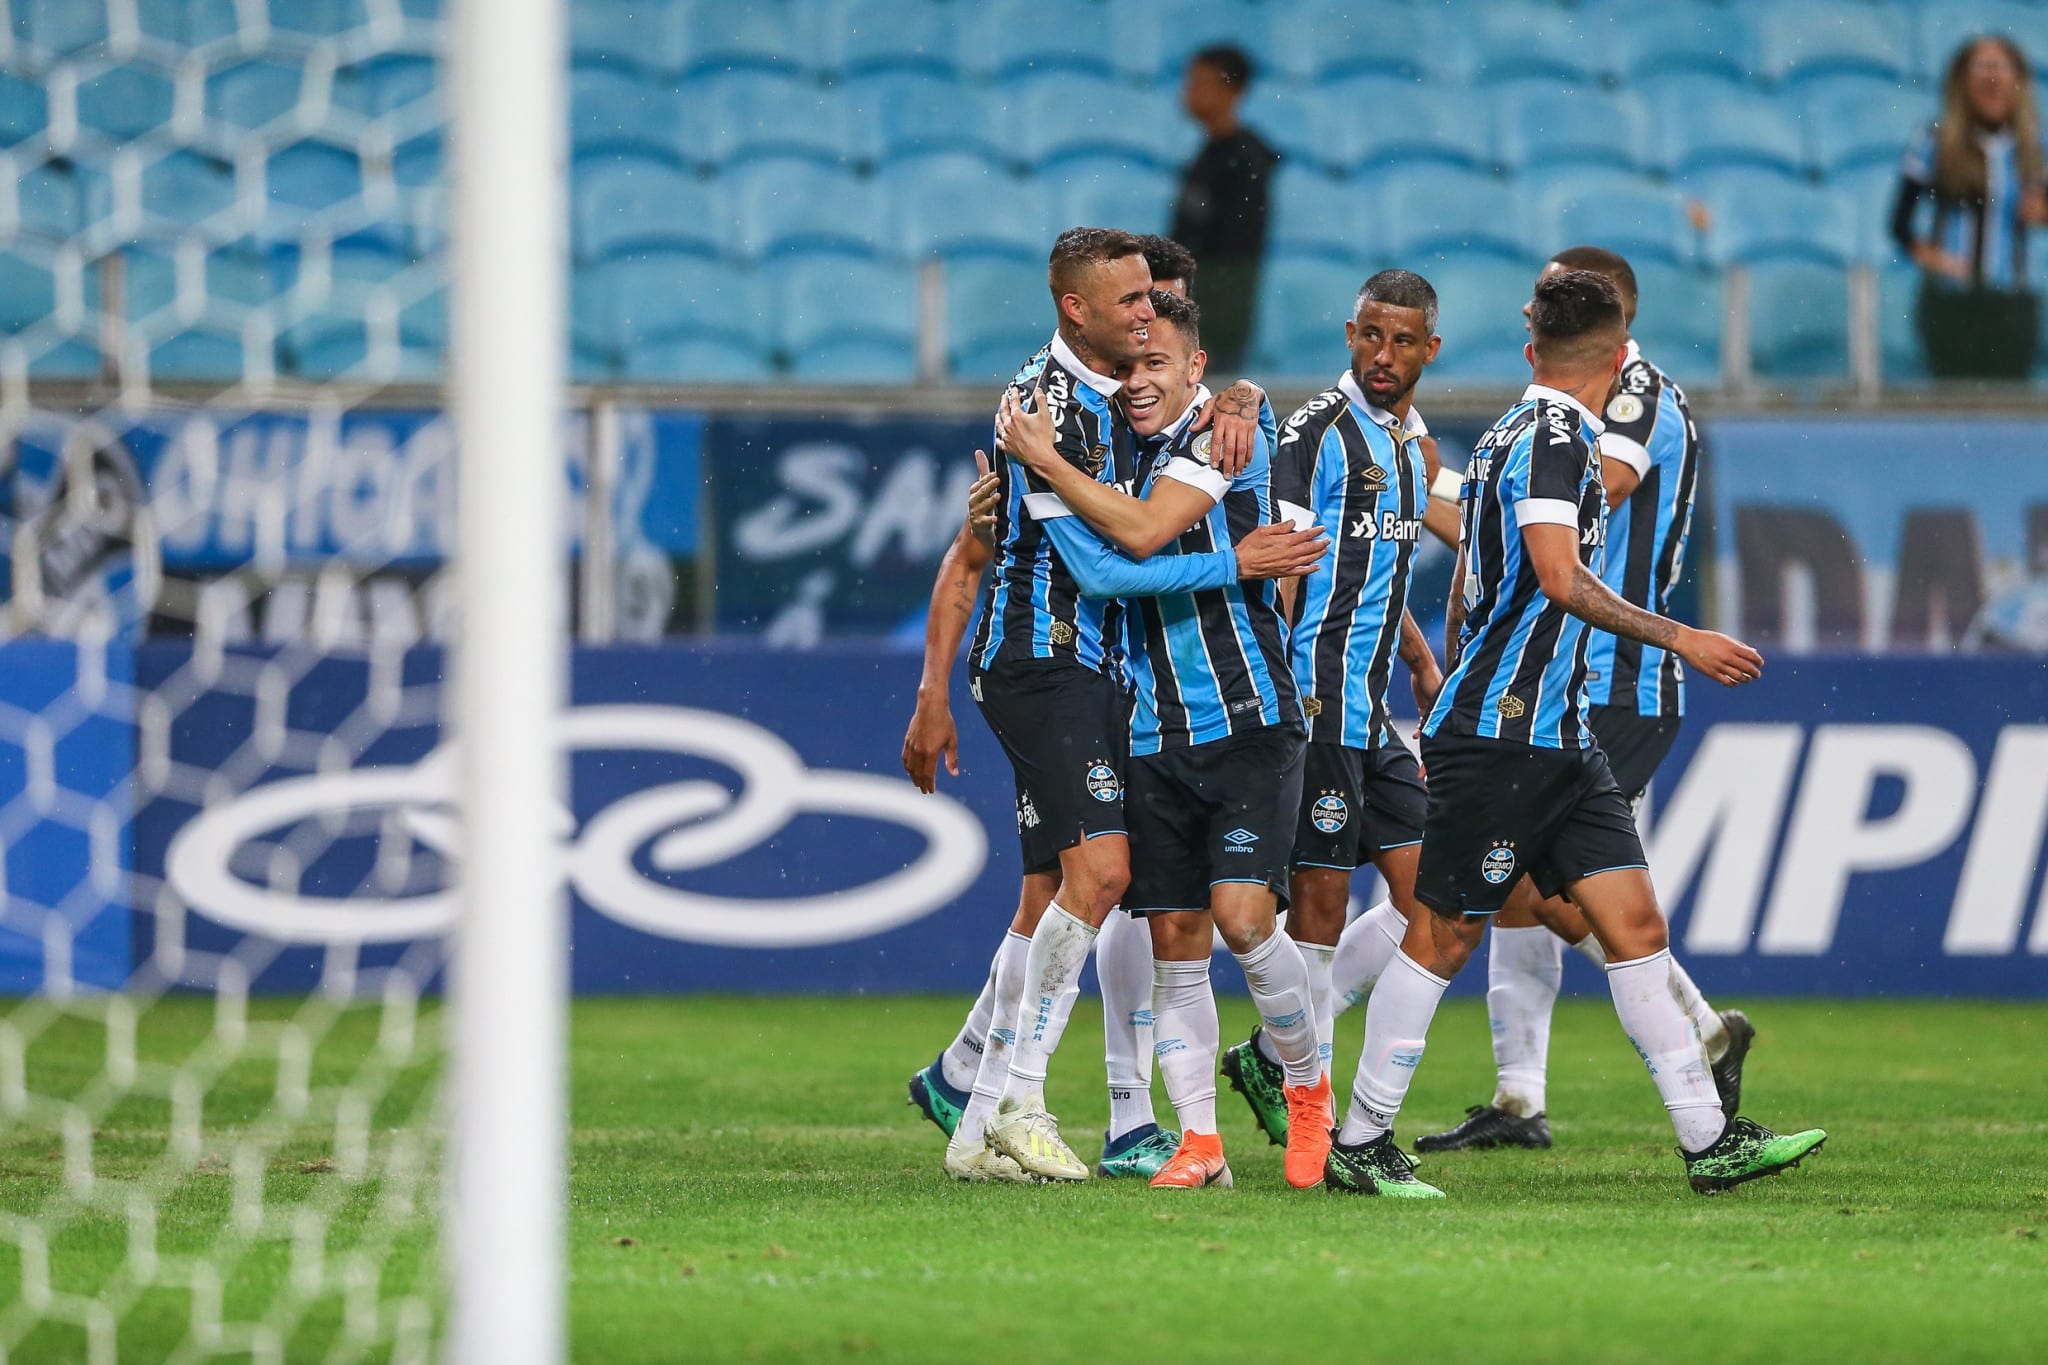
x: 1645, y: 44
x: 1549, y: 125
x: 1313, y: 215
x: 1798, y: 320
x: 1329, y: 40
x: 386, y: 84
x: 635, y: 204
x: 1066, y: 114
x: 871, y: 36
x: 1898, y: 296
x: 1704, y: 123
x: 1009, y: 38
x: 656, y: 312
x: 187, y: 23
x: 1679, y: 317
x: 1643, y: 219
x: 125, y: 102
x: 839, y: 318
x: 1830, y: 37
x: 230, y: 281
x: 1854, y: 121
x: 417, y: 164
x: 309, y: 179
x: 697, y: 360
x: 634, y: 34
x: 201, y: 354
x: 1759, y: 215
x: 1307, y: 127
x: 954, y: 205
x: 1397, y: 121
x: 918, y: 113
x: 1111, y: 191
x: 1424, y: 210
x: 1304, y: 302
x: 184, y: 189
x: 253, y: 94
x: 758, y: 113
x: 1868, y: 193
x: 49, y: 200
x: 1944, y: 27
x: 1150, y: 50
x: 732, y: 37
x: 24, y: 110
x: 618, y: 112
x: 316, y: 18
x: 785, y: 205
x: 55, y: 28
x: 28, y: 293
x: 1533, y: 42
x: 1479, y: 316
x: 996, y: 318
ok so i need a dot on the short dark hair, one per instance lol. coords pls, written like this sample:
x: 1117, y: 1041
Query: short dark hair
x: 1601, y: 261
x: 1182, y: 312
x: 1230, y: 63
x: 1079, y: 247
x: 1400, y: 289
x: 1574, y: 316
x: 1169, y: 259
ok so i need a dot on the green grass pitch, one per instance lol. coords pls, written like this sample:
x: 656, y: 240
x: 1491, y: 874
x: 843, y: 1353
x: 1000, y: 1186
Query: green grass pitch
x: 748, y: 1184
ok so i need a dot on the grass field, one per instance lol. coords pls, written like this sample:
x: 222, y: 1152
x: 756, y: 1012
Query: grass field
x: 748, y: 1185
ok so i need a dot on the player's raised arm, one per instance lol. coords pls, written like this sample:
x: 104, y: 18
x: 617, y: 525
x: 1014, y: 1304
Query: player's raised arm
x: 1137, y: 526
x: 1232, y: 420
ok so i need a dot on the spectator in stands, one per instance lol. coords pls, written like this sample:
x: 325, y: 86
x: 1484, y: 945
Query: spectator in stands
x: 1221, y: 214
x: 1981, y: 162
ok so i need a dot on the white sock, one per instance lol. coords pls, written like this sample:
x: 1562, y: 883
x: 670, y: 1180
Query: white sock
x: 1279, y: 986
x: 994, y: 1072
x: 1367, y: 945
x: 1123, y: 966
x: 1316, y: 957
x: 1396, y: 1026
x: 1523, y: 970
x: 1655, y: 1023
x: 960, y: 1063
x: 1052, y: 978
x: 1705, y: 1018
x: 1589, y: 947
x: 1189, y: 1036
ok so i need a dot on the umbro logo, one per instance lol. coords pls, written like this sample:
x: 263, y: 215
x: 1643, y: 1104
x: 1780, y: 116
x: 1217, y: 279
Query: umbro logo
x: 1240, y: 840
x: 1372, y: 479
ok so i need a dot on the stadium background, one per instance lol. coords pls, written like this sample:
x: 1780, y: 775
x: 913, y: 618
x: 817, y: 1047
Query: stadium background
x: 808, y: 238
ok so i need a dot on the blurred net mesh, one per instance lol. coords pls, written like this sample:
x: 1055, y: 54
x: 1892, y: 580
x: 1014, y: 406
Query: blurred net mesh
x: 225, y: 529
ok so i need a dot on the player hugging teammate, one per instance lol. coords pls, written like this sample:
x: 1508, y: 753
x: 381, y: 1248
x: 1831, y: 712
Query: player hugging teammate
x: 1168, y: 650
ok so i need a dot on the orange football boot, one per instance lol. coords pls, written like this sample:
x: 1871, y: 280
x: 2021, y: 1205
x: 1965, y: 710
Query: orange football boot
x: 1196, y: 1163
x: 1308, y: 1132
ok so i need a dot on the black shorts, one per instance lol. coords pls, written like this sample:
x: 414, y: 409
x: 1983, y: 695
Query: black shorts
x: 1218, y: 812
x: 1635, y: 745
x: 1067, y: 730
x: 1498, y: 809
x: 1358, y: 803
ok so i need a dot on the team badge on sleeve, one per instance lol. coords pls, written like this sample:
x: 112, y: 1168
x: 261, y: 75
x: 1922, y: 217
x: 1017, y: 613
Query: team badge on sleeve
x: 1625, y: 408
x: 1499, y: 864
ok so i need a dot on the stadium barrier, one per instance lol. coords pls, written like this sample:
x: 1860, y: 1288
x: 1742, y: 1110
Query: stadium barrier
x: 1849, y: 826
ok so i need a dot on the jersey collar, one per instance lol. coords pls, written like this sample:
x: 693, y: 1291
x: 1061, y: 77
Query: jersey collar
x: 1348, y: 385
x: 1182, y: 422
x: 1071, y: 363
x: 1635, y: 351
x: 1594, y: 426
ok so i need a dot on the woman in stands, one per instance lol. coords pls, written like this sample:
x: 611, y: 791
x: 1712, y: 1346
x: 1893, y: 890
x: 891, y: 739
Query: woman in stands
x: 1981, y: 163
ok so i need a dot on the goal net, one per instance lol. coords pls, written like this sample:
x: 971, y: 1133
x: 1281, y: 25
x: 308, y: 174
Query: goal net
x: 228, y: 840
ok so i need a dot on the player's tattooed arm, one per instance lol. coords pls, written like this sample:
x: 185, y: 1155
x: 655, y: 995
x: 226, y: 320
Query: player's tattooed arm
x: 932, y: 734
x: 1424, y: 677
x: 1232, y: 418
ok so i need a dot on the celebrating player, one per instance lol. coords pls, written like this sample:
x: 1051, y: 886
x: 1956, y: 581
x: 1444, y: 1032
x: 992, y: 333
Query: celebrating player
x: 1649, y: 462
x: 1516, y: 784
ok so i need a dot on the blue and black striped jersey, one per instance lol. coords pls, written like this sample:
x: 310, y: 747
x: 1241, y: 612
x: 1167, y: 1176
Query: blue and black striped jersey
x: 1357, y: 471
x: 1031, y: 607
x: 1521, y: 671
x: 1209, y: 664
x: 1989, y: 233
x: 1649, y: 428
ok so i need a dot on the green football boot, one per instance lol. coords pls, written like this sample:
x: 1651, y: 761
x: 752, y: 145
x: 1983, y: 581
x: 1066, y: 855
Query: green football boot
x: 1748, y: 1151
x: 1140, y: 1153
x: 937, y: 1101
x: 1377, y: 1167
x: 1262, y: 1083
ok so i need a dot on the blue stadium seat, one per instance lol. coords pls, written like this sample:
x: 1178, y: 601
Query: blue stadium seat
x: 1305, y: 126
x: 187, y: 23
x: 1151, y: 50
x: 760, y: 113
x: 894, y: 35
x: 1945, y: 27
x: 253, y: 94
x: 1479, y: 316
x: 635, y: 34
x: 1759, y: 215
x: 1854, y: 121
x: 1304, y: 302
x: 1111, y: 191
x: 1898, y: 309
x: 1643, y: 219
x: 416, y: 163
x: 1549, y: 125
x: 1008, y: 38
x: 1429, y: 209
x: 1679, y: 320
x: 698, y: 360
x: 28, y: 293
x: 125, y: 102
x: 917, y: 113
x: 310, y: 178
x: 731, y: 37
x: 996, y: 318
x: 1798, y: 320
x: 1703, y: 123
x: 1064, y: 114
x: 186, y: 188
x: 24, y: 109
x: 51, y: 199
x: 235, y: 278
x: 667, y: 317
x: 385, y: 84
x: 1869, y: 192
x: 200, y: 353
x: 782, y: 206
x: 1645, y: 43
x: 1829, y: 37
x: 1331, y: 39
x: 636, y: 204
x: 317, y: 18
x: 1540, y: 42
x: 1399, y: 121
x: 52, y: 28
x: 847, y: 319
x: 1314, y: 215
x: 953, y: 205
x: 619, y: 112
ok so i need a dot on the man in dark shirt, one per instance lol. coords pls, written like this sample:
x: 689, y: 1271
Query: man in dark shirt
x: 1221, y: 213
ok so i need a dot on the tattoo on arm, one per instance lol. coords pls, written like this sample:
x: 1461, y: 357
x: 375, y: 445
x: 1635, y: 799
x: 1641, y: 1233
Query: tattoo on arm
x: 1600, y: 607
x: 1413, y: 648
x: 1240, y: 399
x: 1454, y: 616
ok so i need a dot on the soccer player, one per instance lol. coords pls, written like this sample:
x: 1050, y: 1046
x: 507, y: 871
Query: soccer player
x: 1516, y: 783
x: 1173, y: 265
x: 1649, y: 463
x: 1216, y: 749
x: 1352, y: 461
